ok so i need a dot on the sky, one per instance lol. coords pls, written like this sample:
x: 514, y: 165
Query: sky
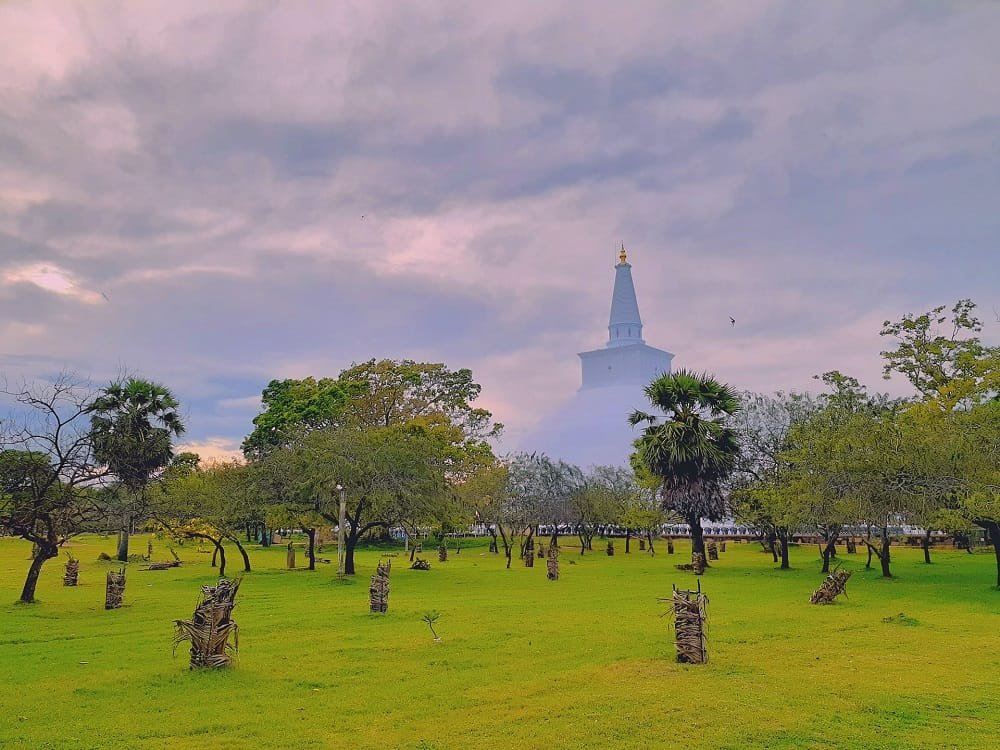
x: 215, y: 198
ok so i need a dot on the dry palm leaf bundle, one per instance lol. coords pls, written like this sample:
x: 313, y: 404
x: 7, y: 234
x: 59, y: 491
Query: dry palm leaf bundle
x: 290, y: 557
x: 210, y: 628
x: 690, y: 613
x: 670, y: 546
x: 541, y: 552
x: 722, y: 546
x: 378, y: 591
x: 443, y: 552
x: 642, y: 545
x: 420, y: 564
x: 72, y: 575
x: 834, y: 585
x: 611, y: 548
x: 552, y: 563
x: 115, y: 589
x: 713, y: 551
x: 852, y: 547
x: 698, y: 563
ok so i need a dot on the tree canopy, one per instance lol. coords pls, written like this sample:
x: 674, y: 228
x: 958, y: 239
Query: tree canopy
x: 690, y: 448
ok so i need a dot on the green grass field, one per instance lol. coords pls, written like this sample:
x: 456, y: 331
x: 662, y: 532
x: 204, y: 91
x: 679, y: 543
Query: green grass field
x: 523, y: 662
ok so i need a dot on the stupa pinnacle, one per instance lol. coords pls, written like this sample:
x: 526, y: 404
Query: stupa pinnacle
x: 626, y: 359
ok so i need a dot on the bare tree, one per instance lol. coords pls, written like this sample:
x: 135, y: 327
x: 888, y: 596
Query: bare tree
x: 48, y: 476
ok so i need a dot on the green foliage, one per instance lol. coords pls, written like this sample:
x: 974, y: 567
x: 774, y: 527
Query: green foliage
x: 24, y: 473
x: 132, y: 424
x: 951, y: 363
x: 373, y: 394
x: 759, y: 492
x: 216, y: 500
x: 397, y: 392
x: 692, y: 450
x: 291, y: 406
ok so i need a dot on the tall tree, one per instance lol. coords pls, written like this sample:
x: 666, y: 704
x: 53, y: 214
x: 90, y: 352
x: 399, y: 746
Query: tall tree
x: 279, y: 482
x: 689, y: 448
x: 979, y: 435
x: 211, y: 502
x: 942, y: 355
x: 540, y: 490
x: 385, y: 472
x: 133, y: 422
x: 958, y: 378
x: 759, y: 489
x: 48, y: 474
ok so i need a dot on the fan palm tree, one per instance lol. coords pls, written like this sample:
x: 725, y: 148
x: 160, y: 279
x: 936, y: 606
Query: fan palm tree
x: 132, y: 423
x: 689, y: 450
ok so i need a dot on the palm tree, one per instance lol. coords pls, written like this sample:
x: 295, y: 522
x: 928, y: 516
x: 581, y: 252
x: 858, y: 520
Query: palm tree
x: 689, y: 451
x: 132, y: 423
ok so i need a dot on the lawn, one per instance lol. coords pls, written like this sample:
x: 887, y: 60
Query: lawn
x: 523, y: 662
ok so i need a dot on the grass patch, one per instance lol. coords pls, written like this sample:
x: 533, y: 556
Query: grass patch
x: 523, y: 661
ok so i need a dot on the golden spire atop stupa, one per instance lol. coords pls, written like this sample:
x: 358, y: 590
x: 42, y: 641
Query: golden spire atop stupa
x: 622, y: 256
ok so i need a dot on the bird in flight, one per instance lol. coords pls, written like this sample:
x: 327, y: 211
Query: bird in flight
x: 732, y: 320
x: 106, y: 297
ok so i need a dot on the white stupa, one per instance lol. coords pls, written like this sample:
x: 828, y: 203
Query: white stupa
x: 592, y: 427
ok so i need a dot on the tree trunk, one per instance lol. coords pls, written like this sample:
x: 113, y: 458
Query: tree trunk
x: 771, y: 539
x: 649, y: 541
x: 881, y: 552
x: 265, y: 536
x: 783, y: 543
x: 628, y: 538
x: 927, y: 546
x: 993, y: 528
x: 493, y: 542
x: 528, y: 547
x: 246, y: 558
x: 829, y: 552
x: 311, y: 533
x: 697, y: 536
x: 215, y: 558
x: 884, y: 556
x: 123, y: 539
x: 45, y: 552
x: 222, y: 558
x: 352, y: 542
x: 507, y: 544
x: 219, y: 550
